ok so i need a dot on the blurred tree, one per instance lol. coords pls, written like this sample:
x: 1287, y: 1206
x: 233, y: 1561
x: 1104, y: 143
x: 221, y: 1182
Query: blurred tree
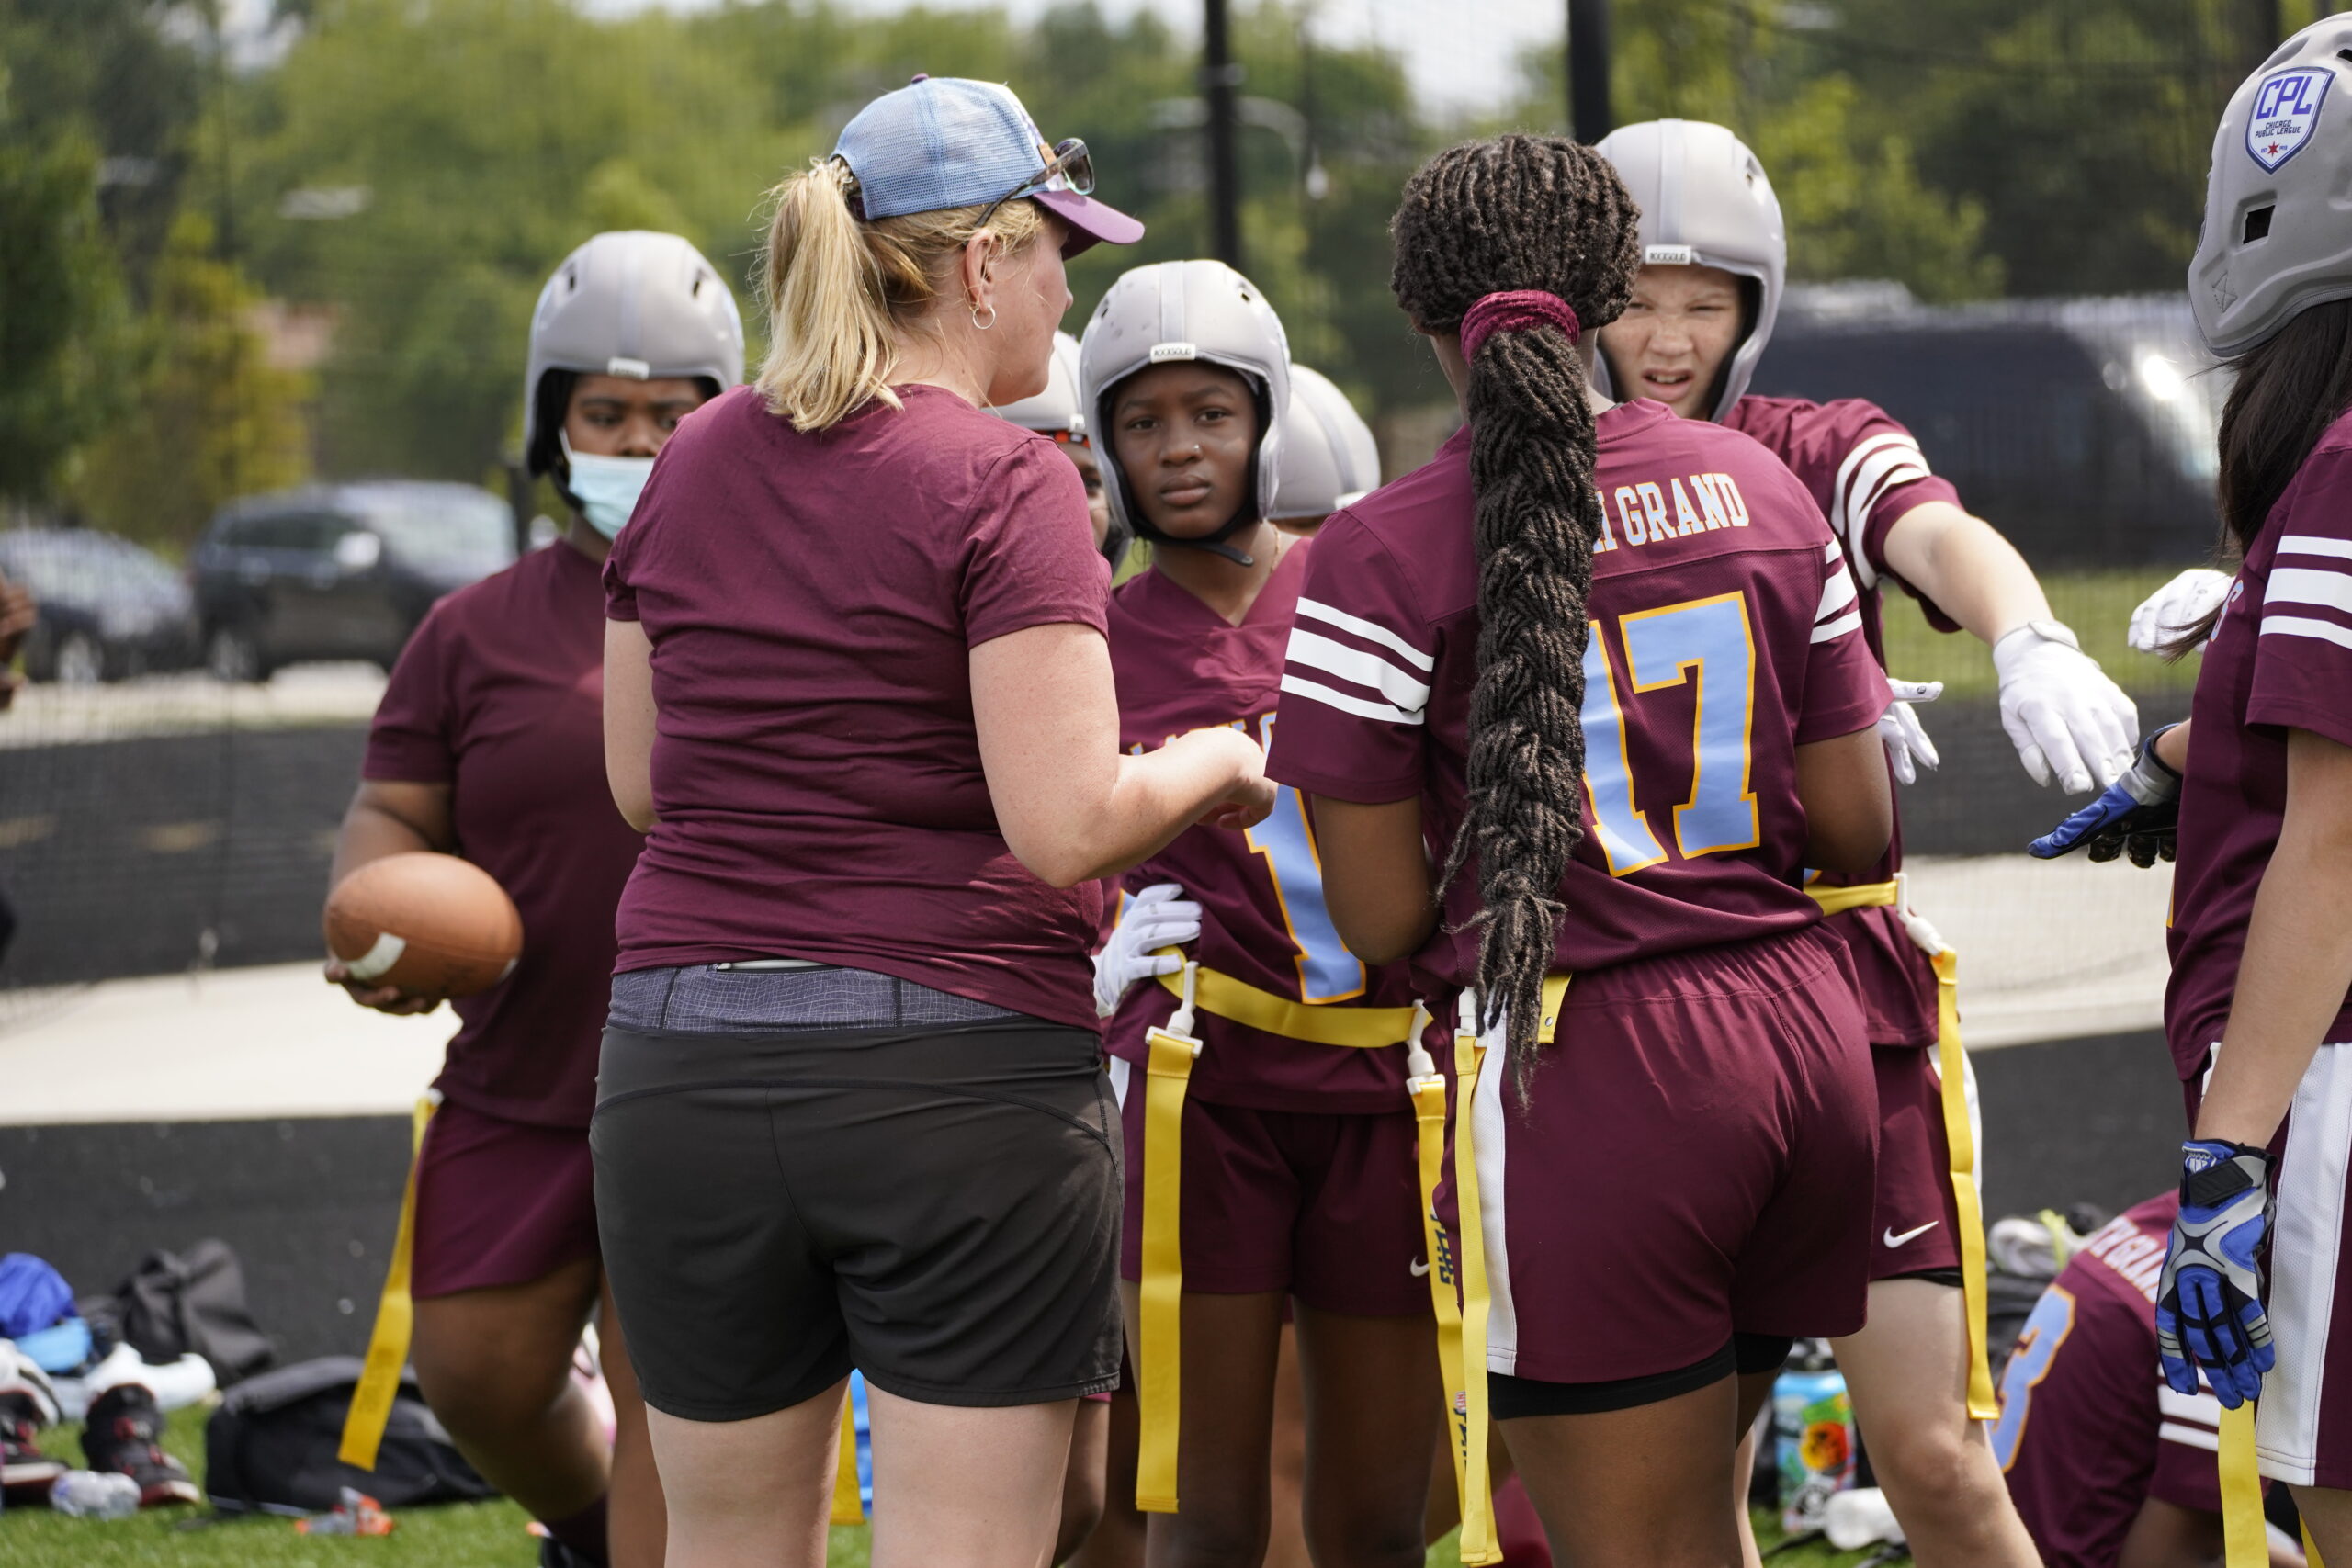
x: 213, y: 419
x: 62, y: 317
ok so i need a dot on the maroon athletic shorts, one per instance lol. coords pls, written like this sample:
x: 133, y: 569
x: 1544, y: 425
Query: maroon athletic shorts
x: 1695, y: 1160
x: 1323, y: 1205
x: 499, y: 1202
x: 1912, y: 1230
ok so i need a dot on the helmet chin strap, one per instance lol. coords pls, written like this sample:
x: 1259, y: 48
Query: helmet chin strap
x: 1215, y: 544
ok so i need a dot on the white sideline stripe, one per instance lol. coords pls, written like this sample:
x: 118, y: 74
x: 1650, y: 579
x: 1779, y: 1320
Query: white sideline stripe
x: 2310, y: 586
x: 2303, y: 626
x: 1315, y: 691
x: 2191, y: 1437
x: 2314, y: 544
x: 1488, y: 1131
x: 1315, y: 609
x: 2303, y: 1265
x: 1357, y: 667
x: 2202, y: 1407
x: 1836, y: 593
x: 1851, y: 621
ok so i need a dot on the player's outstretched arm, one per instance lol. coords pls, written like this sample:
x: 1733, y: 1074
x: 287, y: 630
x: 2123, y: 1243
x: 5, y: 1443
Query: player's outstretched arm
x: 1071, y: 806
x: 2068, y: 720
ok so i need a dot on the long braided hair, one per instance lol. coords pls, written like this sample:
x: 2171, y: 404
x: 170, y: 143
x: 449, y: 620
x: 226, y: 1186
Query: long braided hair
x: 1512, y: 213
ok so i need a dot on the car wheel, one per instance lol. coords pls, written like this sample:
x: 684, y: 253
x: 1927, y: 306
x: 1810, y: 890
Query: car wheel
x: 230, y: 654
x: 79, y: 660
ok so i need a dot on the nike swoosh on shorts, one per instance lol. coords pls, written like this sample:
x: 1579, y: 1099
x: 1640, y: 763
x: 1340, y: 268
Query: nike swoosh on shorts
x: 1890, y: 1240
x: 1419, y: 1269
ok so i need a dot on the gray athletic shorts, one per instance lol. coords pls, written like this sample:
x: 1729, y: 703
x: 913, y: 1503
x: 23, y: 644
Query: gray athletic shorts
x: 803, y: 1171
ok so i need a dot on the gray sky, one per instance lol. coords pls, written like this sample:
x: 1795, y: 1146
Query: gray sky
x: 1461, y: 53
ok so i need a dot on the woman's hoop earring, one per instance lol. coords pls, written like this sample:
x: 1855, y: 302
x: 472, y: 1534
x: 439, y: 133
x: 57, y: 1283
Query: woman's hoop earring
x: 980, y: 325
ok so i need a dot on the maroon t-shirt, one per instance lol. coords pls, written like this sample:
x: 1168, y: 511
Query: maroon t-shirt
x: 2089, y: 1430
x: 1723, y: 637
x: 2280, y: 659
x: 501, y: 696
x: 1182, y: 666
x: 1865, y: 470
x: 811, y: 601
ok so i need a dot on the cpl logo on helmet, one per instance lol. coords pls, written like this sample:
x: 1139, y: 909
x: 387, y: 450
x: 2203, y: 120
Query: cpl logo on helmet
x: 2274, y: 241
x: 633, y: 304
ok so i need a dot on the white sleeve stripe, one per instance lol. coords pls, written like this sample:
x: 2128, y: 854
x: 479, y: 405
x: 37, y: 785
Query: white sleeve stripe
x: 2314, y: 544
x: 1357, y: 667
x: 1836, y: 594
x: 1851, y: 621
x: 2301, y: 626
x: 2203, y: 1407
x: 1869, y: 458
x: 1370, y: 630
x: 2310, y: 586
x: 2191, y: 1436
x: 1901, y: 473
x: 1315, y: 691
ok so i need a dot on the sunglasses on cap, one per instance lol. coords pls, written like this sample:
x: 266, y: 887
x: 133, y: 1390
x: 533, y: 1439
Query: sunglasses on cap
x: 1071, y: 165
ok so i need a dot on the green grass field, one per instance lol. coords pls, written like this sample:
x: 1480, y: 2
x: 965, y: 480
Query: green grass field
x: 470, y: 1535
x: 2098, y: 604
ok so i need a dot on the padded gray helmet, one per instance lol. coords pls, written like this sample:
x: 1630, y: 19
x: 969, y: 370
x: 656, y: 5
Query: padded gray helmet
x: 1329, y: 458
x: 1054, y: 411
x: 1186, y: 310
x: 1705, y: 202
x: 633, y: 303
x: 2275, y: 241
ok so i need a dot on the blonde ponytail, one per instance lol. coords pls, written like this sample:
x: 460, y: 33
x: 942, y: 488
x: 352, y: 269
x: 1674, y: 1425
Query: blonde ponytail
x: 841, y: 293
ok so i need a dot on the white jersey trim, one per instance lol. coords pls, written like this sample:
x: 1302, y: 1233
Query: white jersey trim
x: 2303, y: 626
x: 1875, y: 465
x: 2310, y: 586
x: 1315, y: 609
x: 2191, y: 1436
x: 1315, y: 691
x: 2314, y: 544
x: 2303, y: 1262
x: 1850, y: 622
x: 1490, y: 1131
x: 1357, y: 667
x: 1836, y: 593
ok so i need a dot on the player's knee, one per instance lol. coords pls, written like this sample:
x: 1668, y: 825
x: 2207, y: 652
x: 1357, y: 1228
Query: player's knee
x: 1368, y: 1540
x: 1206, y: 1536
x: 1083, y: 1498
x: 1935, y: 1465
x: 474, y: 1392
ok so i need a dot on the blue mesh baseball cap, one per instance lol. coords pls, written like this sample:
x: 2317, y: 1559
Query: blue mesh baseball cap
x: 941, y: 141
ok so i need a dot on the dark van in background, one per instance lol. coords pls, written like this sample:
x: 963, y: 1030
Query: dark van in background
x: 338, y: 571
x: 2083, y: 429
x: 109, y: 609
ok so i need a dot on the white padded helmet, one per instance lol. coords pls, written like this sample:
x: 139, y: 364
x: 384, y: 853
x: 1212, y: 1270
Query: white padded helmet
x: 1186, y: 310
x: 1054, y: 411
x: 1328, y: 457
x: 633, y: 303
x: 1705, y: 202
x: 2275, y: 241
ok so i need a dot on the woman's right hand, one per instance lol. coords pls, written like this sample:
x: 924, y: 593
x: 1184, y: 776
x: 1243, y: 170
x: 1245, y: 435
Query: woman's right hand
x: 1251, y: 799
x: 383, y: 998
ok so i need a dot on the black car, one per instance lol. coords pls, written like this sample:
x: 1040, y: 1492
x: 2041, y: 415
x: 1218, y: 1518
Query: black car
x: 107, y: 608
x: 339, y: 571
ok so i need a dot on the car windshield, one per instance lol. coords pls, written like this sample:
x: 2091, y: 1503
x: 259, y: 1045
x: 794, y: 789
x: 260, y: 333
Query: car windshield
x: 84, y: 569
x: 460, y: 530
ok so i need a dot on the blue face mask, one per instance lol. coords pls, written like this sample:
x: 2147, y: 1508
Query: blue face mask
x: 607, y: 487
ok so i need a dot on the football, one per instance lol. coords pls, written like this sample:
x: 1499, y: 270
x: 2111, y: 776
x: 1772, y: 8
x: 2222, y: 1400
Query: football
x: 431, y: 925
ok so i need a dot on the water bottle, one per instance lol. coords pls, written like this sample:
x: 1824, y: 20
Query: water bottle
x: 1813, y: 1435
x: 95, y: 1495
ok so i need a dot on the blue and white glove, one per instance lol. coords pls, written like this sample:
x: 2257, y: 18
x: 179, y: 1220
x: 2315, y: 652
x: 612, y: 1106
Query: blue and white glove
x: 2138, y: 814
x: 1907, y: 747
x: 2209, y: 1305
x: 1160, y: 916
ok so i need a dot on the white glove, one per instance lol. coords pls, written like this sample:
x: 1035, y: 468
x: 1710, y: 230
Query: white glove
x: 2068, y: 720
x: 1907, y: 747
x: 1158, y: 917
x: 2177, y: 606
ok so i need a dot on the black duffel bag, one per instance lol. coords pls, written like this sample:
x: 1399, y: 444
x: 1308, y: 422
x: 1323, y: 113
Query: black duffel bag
x: 177, y: 1301
x: 271, y: 1445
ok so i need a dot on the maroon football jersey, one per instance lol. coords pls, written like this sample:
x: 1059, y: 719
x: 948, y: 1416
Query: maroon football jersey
x: 500, y: 696
x: 1724, y: 634
x: 1865, y: 470
x: 2280, y: 659
x: 2089, y: 1430
x: 1182, y: 666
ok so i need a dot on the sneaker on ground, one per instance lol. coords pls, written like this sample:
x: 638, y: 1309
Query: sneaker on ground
x: 122, y: 1436
x: 25, y: 1474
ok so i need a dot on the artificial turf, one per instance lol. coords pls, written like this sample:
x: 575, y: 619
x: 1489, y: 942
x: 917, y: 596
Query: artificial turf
x: 463, y: 1535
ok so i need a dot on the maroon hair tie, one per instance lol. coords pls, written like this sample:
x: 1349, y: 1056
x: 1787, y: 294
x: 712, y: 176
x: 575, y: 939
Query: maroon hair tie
x: 1515, y: 311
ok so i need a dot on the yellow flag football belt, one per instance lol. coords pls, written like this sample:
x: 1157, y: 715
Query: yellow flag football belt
x: 379, y: 1375
x: 1952, y: 1064
x: 1167, y: 1073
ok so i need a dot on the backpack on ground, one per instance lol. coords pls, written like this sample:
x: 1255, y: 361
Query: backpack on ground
x: 271, y: 1445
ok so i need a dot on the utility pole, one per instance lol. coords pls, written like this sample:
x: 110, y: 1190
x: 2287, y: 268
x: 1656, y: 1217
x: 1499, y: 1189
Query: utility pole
x: 1220, y: 84
x: 1588, y: 73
